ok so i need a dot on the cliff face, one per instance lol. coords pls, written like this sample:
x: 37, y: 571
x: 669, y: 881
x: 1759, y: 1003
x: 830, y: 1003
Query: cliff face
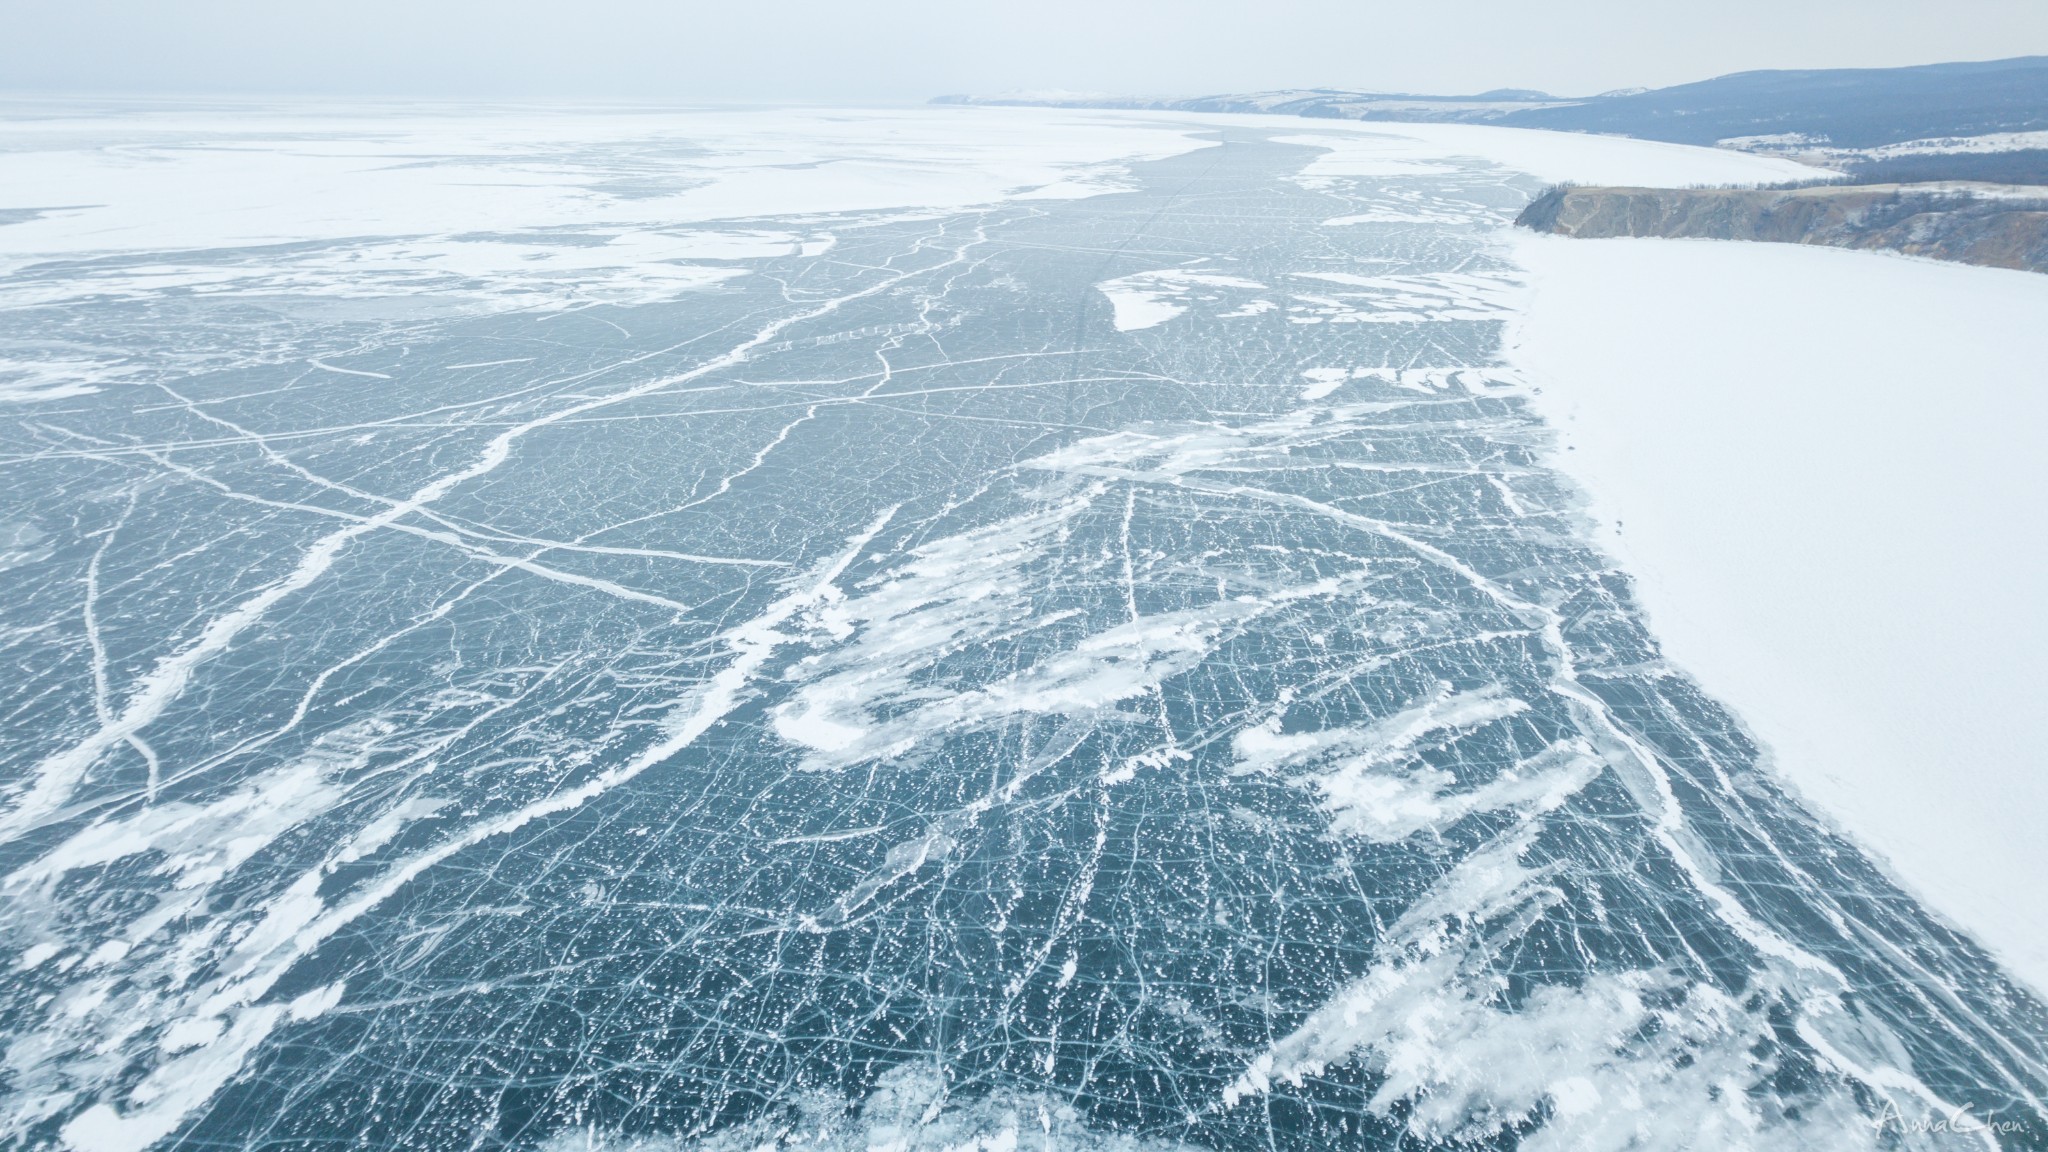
x: 1943, y: 223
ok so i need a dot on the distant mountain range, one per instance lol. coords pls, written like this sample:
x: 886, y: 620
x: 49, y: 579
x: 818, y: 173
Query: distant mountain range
x: 1845, y: 108
x: 1848, y: 107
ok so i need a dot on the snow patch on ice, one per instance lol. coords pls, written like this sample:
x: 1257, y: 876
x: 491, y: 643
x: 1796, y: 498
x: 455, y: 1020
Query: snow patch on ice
x: 865, y: 695
x: 1323, y: 381
x: 1628, y: 1059
x: 1375, y: 782
x: 1149, y: 299
x: 911, y: 1109
x: 1430, y: 297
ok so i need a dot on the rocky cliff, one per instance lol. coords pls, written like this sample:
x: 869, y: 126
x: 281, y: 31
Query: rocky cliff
x: 1989, y: 225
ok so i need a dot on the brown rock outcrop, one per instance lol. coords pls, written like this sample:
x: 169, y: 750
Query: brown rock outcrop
x: 1986, y: 225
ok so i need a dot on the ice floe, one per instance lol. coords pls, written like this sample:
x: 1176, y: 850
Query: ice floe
x: 1149, y: 299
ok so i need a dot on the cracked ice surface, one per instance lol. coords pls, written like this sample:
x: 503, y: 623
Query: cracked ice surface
x: 916, y: 674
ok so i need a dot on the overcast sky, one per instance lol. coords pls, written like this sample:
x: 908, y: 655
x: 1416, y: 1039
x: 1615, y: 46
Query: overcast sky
x: 894, y: 50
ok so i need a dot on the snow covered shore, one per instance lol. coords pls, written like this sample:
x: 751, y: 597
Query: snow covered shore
x: 1824, y: 470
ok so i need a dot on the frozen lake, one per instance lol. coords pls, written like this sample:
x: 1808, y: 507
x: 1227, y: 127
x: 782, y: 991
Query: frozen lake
x: 925, y: 629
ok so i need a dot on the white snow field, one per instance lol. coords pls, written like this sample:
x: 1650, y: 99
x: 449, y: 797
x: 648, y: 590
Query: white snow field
x: 178, y: 178
x: 452, y: 196
x: 1824, y: 469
